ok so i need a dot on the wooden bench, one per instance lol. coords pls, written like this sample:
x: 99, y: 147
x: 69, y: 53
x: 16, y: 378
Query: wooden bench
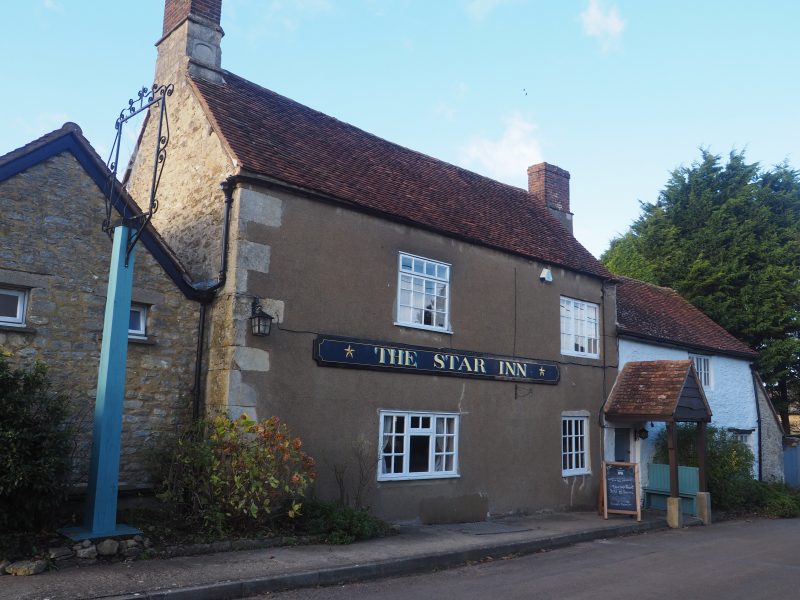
x: 657, y: 490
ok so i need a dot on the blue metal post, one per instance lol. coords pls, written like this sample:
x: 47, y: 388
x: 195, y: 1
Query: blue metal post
x: 100, y: 519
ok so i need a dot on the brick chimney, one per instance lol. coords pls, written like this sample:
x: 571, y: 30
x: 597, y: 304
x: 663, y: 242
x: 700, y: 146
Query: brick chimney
x: 190, y: 40
x: 548, y: 185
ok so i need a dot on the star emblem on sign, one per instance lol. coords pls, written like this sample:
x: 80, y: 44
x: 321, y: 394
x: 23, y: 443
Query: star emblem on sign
x: 348, y: 352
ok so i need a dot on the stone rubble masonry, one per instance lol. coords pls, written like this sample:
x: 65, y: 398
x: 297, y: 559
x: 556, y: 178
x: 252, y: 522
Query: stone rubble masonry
x: 51, y: 243
x: 771, y: 437
x: 190, y: 220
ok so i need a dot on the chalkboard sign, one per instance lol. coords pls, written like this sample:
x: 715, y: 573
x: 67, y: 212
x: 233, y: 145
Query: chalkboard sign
x: 621, y: 489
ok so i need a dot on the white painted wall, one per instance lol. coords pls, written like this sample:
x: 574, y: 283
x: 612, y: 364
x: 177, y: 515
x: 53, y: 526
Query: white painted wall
x: 731, y: 397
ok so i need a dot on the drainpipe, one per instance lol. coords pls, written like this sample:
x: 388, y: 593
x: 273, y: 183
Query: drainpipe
x: 208, y: 289
x: 758, y: 427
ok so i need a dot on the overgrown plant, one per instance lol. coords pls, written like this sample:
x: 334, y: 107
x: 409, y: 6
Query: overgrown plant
x: 729, y: 465
x: 36, y: 442
x: 232, y: 476
x: 357, y: 487
x: 729, y: 462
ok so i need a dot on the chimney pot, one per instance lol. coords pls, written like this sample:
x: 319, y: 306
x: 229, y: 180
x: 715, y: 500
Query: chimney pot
x: 177, y: 11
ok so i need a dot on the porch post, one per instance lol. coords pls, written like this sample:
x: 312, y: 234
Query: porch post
x: 674, y: 512
x: 703, y: 497
x: 672, y: 444
x: 701, y: 454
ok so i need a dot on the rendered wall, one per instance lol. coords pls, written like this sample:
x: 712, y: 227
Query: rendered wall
x: 730, y: 397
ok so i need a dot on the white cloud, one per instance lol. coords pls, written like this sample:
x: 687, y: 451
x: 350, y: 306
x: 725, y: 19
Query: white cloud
x: 54, y: 6
x: 478, y: 9
x: 603, y: 24
x: 508, y: 157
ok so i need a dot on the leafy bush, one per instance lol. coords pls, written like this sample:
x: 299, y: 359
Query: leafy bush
x: 337, y: 523
x: 729, y: 465
x: 233, y: 476
x: 36, y: 441
x: 729, y: 462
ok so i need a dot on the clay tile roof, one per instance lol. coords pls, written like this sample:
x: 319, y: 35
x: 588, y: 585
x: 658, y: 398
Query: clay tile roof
x: 661, y: 314
x: 278, y: 138
x: 649, y: 389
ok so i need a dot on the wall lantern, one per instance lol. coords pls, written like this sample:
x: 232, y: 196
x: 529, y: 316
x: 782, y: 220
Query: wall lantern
x: 260, y: 322
x: 642, y: 434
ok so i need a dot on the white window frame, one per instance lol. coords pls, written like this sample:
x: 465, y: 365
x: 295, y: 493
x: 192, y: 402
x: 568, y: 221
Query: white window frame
x: 22, y: 305
x: 741, y: 436
x: 577, y: 323
x: 396, y: 446
x: 702, y: 364
x: 141, y: 333
x: 431, y: 275
x: 575, y: 445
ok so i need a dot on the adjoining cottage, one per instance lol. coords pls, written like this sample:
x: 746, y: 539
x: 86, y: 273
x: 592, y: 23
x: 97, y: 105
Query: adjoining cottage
x: 53, y: 281
x: 657, y: 324
x: 473, y: 338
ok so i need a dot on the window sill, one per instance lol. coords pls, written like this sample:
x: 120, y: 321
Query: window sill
x: 575, y: 473
x: 16, y: 328
x: 580, y: 355
x: 384, y: 478
x: 143, y: 341
x: 424, y: 327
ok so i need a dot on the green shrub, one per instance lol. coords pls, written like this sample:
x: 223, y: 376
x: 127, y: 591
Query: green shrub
x: 235, y: 476
x: 337, y: 523
x: 36, y: 442
x: 729, y: 463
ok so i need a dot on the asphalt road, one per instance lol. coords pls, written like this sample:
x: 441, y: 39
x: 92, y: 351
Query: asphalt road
x: 731, y: 560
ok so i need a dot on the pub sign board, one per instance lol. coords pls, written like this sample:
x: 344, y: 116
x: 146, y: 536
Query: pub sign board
x: 335, y: 351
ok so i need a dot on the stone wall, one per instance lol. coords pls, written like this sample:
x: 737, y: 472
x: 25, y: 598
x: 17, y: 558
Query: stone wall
x: 190, y: 200
x: 51, y: 244
x: 771, y: 436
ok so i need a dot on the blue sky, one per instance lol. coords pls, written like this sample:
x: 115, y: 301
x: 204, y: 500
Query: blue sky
x: 618, y: 92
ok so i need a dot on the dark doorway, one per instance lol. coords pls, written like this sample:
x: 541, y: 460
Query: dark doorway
x: 622, y: 444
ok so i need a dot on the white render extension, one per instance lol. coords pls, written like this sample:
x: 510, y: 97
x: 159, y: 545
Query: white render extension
x: 655, y: 323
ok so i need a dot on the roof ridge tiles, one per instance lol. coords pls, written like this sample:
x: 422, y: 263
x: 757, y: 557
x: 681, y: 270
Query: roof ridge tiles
x: 273, y: 136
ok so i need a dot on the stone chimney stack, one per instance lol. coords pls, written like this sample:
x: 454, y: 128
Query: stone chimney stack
x: 190, y: 40
x: 548, y: 185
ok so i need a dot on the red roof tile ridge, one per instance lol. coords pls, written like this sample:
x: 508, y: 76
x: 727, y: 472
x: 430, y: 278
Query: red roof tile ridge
x: 344, y: 124
x: 269, y: 135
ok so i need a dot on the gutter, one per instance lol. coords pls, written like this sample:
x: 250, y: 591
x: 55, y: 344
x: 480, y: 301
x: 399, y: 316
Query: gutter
x: 622, y: 332
x: 207, y: 292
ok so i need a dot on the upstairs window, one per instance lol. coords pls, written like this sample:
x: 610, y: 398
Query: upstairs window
x: 12, y: 307
x: 423, y: 293
x: 418, y: 445
x: 137, y: 326
x: 702, y: 364
x: 580, y: 331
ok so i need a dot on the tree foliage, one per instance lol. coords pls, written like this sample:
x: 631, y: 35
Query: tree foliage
x: 36, y: 443
x: 727, y: 238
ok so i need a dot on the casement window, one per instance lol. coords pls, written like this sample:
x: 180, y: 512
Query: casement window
x: 13, y: 303
x: 580, y: 329
x: 137, y: 327
x: 741, y: 435
x: 702, y: 364
x: 418, y: 445
x: 423, y: 293
x: 574, y: 446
